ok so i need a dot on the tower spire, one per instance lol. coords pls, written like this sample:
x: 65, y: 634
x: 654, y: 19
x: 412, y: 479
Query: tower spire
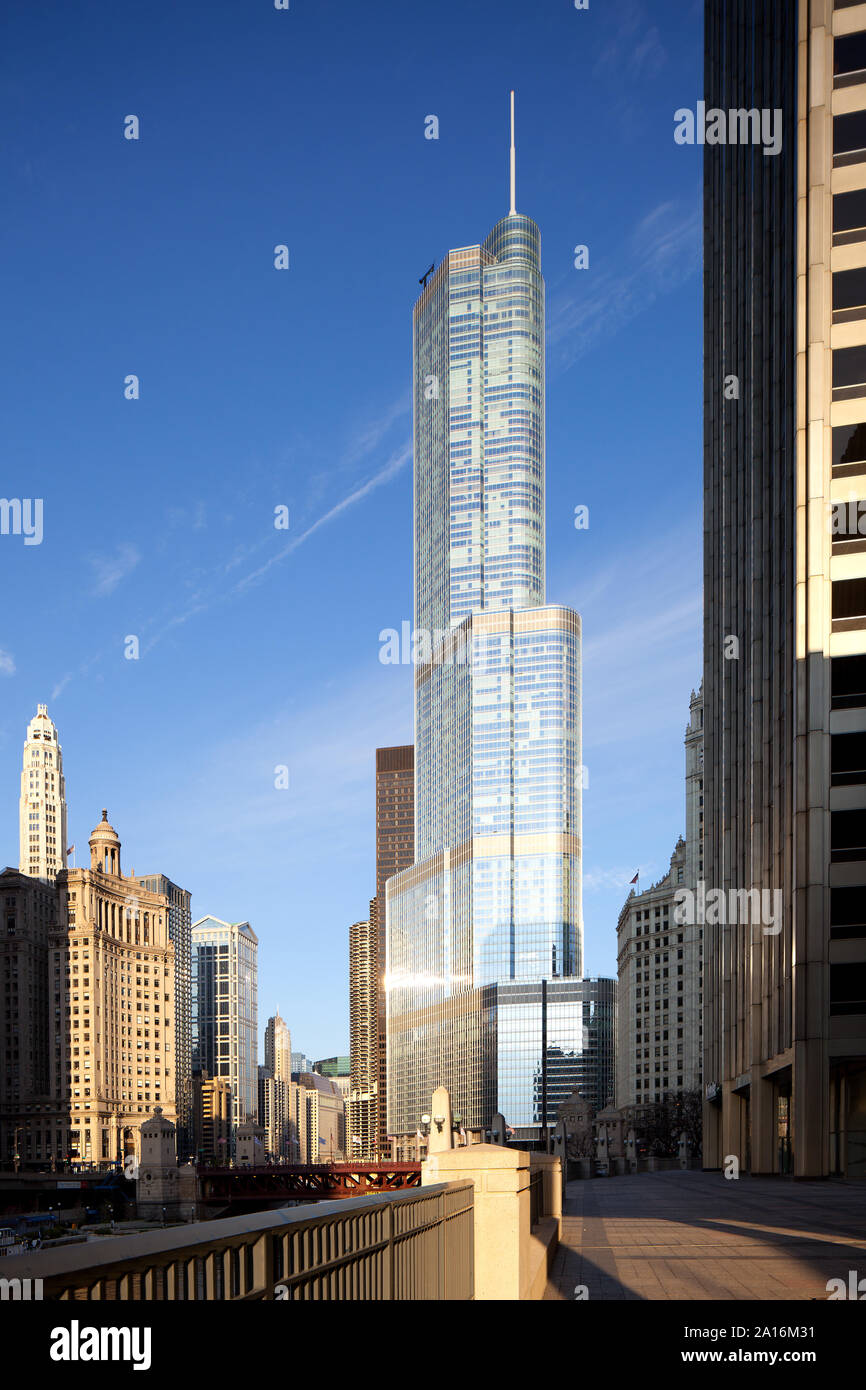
x: 512, y: 210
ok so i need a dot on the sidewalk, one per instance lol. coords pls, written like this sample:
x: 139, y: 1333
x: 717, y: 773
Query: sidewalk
x: 693, y: 1235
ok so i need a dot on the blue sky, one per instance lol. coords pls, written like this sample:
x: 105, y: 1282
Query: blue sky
x: 261, y: 387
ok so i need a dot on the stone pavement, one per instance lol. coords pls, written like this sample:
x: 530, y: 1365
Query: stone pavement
x: 693, y: 1235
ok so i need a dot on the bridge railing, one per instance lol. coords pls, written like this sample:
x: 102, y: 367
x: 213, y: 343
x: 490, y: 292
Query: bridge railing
x: 417, y: 1244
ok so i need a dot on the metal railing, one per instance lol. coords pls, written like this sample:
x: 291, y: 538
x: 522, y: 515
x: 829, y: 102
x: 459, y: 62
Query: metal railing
x: 406, y: 1245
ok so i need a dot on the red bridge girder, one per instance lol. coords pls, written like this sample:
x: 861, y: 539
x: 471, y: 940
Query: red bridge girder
x: 317, y: 1182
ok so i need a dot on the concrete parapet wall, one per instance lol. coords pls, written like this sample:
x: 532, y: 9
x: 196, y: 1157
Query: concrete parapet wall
x: 511, y: 1258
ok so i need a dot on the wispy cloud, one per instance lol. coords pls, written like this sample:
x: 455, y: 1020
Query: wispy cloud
x: 109, y: 571
x: 384, y: 475
x: 632, y: 46
x: 61, y: 685
x: 597, y: 879
x: 7, y: 663
x: 662, y: 252
x: 206, y: 597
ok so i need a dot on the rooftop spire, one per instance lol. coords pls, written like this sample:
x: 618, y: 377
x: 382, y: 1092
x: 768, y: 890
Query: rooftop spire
x: 512, y: 210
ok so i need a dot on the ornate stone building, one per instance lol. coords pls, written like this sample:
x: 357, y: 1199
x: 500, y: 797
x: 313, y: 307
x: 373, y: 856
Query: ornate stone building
x: 42, y: 816
x: 659, y: 961
x: 111, y: 986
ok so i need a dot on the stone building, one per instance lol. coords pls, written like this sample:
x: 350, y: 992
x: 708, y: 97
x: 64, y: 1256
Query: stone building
x: 111, y: 978
x: 659, y: 961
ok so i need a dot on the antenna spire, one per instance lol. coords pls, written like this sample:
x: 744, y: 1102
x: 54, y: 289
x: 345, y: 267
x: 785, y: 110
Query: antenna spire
x: 512, y: 210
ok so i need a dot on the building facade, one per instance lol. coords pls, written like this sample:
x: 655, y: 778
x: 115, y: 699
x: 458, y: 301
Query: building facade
x: 493, y: 898
x: 395, y: 851
x: 660, y: 961
x: 180, y: 936
x: 211, y: 1118
x: 275, y: 1116
x: 275, y: 1079
x: 318, y: 1116
x: 278, y: 1048
x: 42, y: 807
x: 362, y: 1111
x: 112, y: 1042
x: 785, y: 592
x: 225, y: 1010
x: 29, y: 1133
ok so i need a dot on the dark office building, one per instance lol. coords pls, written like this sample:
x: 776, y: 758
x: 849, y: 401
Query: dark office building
x: 395, y: 851
x: 784, y: 781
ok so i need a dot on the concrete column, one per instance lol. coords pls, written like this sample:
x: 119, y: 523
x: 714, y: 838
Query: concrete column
x: 503, y: 1242
x: 552, y: 1166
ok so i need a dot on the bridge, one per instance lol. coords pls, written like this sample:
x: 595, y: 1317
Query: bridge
x: 317, y: 1182
x: 478, y: 1222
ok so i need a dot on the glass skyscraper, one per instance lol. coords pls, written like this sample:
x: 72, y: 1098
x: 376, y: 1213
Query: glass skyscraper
x: 225, y: 1010
x: 494, y: 896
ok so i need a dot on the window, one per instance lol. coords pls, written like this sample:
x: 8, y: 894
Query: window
x: 849, y: 602
x: 849, y: 138
x: 849, y: 60
x: 849, y: 217
x: 849, y: 371
x: 850, y: 444
x: 849, y: 294
x: 848, y: 911
x: 847, y: 835
x: 847, y: 759
x: 848, y: 677
x: 848, y: 989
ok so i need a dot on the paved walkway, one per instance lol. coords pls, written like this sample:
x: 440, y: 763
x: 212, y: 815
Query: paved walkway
x: 697, y: 1235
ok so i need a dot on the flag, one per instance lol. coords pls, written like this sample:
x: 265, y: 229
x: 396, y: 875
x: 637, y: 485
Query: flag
x: 71, y: 849
x: 635, y: 879
x: 321, y: 1141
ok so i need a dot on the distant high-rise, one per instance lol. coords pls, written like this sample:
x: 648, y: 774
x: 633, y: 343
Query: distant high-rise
x: 27, y: 1111
x: 395, y: 851
x: 180, y: 935
x: 660, y: 960
x: 493, y: 897
x: 42, y: 819
x: 785, y: 590
x: 318, y: 1118
x: 211, y: 1110
x: 362, y: 1107
x: 225, y: 1010
x: 278, y: 1048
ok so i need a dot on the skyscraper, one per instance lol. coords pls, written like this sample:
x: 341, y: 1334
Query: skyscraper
x: 278, y: 1048
x: 785, y: 591
x: 42, y: 819
x: 395, y: 850
x: 27, y: 1112
x: 362, y: 1108
x: 660, y: 960
x: 494, y: 895
x: 225, y: 1010
x: 112, y: 1041
x: 180, y: 935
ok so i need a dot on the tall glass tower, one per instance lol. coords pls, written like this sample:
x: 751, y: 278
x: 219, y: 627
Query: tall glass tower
x: 485, y: 928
